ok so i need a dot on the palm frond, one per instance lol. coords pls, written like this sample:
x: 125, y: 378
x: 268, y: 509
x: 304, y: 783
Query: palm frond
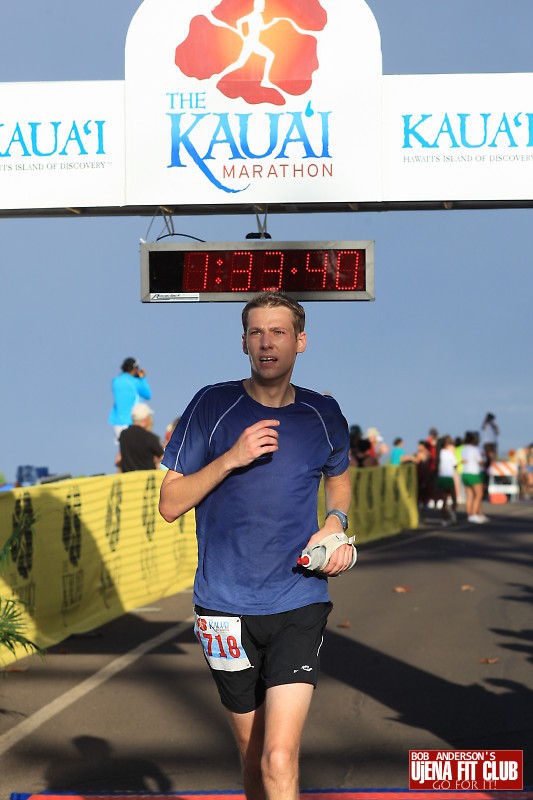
x: 12, y: 628
x: 5, y: 552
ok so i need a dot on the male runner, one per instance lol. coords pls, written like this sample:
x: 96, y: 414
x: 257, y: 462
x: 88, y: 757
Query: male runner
x: 248, y: 456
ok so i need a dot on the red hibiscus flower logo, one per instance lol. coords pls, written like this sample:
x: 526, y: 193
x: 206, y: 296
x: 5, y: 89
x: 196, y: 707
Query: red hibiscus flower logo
x: 261, y: 50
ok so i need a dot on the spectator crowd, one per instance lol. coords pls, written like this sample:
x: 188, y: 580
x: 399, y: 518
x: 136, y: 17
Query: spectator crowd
x: 450, y: 470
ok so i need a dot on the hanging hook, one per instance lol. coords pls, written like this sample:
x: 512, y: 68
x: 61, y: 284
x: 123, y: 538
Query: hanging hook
x: 262, y: 232
x: 168, y: 219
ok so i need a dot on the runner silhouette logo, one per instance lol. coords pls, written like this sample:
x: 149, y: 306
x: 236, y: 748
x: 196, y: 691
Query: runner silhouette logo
x: 21, y: 549
x: 259, y: 50
x: 72, y: 526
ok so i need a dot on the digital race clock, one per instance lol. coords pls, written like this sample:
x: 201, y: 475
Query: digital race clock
x: 236, y: 271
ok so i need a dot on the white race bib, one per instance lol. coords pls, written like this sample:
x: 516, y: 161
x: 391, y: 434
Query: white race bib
x: 220, y: 638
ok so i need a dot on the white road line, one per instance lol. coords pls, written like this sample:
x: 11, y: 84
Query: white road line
x: 29, y: 725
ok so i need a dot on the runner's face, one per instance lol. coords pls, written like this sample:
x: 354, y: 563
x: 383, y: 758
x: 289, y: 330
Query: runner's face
x: 271, y: 343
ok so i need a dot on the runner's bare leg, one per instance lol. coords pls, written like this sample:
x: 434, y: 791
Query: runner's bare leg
x: 249, y: 730
x: 269, y: 742
x: 286, y: 709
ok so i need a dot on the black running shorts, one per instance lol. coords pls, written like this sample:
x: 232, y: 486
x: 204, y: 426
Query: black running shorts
x: 261, y: 651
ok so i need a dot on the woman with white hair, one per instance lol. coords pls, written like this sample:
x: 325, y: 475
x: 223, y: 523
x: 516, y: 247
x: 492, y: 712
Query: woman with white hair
x: 378, y: 447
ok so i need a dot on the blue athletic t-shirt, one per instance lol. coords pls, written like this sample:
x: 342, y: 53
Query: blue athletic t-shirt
x: 253, y: 526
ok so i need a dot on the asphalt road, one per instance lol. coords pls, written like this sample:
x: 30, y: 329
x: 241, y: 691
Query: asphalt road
x: 429, y: 645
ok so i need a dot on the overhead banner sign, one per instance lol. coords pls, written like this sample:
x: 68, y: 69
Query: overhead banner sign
x: 253, y: 101
x: 458, y: 137
x: 278, y: 103
x: 62, y: 144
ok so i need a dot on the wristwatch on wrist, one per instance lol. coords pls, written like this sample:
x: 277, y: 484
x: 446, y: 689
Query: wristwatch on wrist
x: 341, y: 516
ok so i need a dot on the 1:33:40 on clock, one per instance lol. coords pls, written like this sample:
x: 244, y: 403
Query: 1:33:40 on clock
x: 236, y: 271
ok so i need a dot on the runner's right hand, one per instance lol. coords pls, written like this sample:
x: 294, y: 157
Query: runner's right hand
x: 256, y: 441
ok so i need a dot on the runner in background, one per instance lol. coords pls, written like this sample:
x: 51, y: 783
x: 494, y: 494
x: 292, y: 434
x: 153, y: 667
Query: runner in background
x: 473, y: 463
x: 447, y: 466
x: 459, y: 486
x: 489, y: 442
x: 432, y: 441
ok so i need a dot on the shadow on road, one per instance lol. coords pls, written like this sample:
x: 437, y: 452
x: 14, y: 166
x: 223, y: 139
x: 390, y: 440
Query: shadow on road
x: 94, y: 764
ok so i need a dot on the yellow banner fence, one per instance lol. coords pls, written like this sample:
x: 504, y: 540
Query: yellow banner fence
x: 89, y: 550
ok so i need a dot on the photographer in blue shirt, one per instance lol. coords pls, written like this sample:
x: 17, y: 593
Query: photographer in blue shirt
x: 129, y: 388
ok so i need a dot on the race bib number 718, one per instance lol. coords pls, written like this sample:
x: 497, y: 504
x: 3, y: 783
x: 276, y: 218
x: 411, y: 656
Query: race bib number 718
x: 220, y: 638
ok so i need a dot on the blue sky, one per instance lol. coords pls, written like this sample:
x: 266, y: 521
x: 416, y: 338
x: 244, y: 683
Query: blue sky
x: 447, y: 339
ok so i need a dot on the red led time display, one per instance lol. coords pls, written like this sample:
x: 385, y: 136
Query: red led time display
x: 237, y: 271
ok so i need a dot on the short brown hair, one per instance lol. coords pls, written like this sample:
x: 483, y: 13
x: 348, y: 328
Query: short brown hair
x: 272, y: 300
